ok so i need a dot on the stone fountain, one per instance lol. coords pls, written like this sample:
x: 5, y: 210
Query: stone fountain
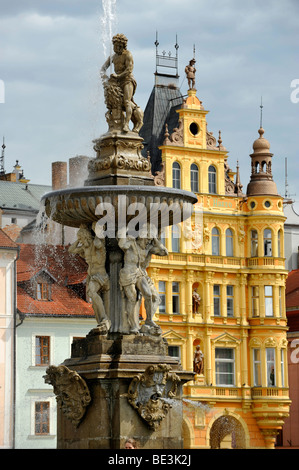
x: 120, y: 381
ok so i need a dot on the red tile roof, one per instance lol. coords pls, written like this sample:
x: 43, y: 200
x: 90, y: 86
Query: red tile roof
x: 65, y: 270
x: 65, y: 267
x: 6, y: 241
x: 13, y: 231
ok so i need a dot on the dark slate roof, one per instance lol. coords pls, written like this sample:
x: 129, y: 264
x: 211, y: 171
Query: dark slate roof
x: 21, y: 196
x: 160, y: 110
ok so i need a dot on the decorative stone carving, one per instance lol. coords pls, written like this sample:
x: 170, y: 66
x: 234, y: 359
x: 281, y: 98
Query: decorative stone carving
x: 93, y: 250
x: 196, y: 299
x: 198, y: 361
x: 119, y: 89
x: 72, y: 394
x: 211, y: 141
x: 159, y: 177
x: 134, y: 280
x: 150, y: 393
x: 177, y: 137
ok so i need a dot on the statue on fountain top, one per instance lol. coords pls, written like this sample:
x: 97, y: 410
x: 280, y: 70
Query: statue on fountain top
x: 119, y: 89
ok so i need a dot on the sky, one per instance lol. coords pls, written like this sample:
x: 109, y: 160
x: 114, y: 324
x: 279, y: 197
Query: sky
x: 51, y: 98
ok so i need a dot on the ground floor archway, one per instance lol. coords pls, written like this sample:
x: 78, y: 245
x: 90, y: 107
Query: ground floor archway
x: 227, y: 433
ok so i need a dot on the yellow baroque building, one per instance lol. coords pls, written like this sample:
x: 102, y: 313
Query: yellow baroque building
x: 222, y: 289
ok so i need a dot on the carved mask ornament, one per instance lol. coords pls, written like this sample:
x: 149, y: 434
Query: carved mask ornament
x: 71, y: 392
x: 150, y: 393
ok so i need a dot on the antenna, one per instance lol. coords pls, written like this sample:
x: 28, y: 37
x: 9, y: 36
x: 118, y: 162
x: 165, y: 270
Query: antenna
x: 2, y: 170
x: 261, y: 106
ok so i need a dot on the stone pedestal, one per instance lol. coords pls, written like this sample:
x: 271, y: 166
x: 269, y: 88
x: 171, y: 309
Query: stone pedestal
x: 119, y: 161
x: 113, y: 367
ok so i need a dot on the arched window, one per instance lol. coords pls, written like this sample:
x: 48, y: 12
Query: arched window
x: 176, y: 175
x: 215, y: 241
x: 194, y: 178
x: 267, y: 242
x: 229, y: 241
x: 175, y: 238
x: 253, y: 243
x: 279, y: 244
x: 212, y: 180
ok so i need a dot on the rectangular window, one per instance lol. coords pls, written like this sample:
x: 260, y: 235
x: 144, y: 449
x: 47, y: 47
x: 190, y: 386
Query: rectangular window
x: 42, y: 417
x: 42, y: 350
x: 162, y: 294
x: 255, y: 301
x: 270, y: 359
x: 280, y: 301
x: 175, y: 297
x: 230, y: 300
x: 257, y: 368
x: 268, y: 301
x: 42, y: 291
x: 225, y: 366
x: 254, y: 243
x: 216, y: 298
x: 174, y: 351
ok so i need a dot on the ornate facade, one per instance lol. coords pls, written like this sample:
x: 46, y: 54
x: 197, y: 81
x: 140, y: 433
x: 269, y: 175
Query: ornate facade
x: 223, y: 289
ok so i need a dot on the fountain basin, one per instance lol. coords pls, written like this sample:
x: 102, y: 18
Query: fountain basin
x: 119, y: 205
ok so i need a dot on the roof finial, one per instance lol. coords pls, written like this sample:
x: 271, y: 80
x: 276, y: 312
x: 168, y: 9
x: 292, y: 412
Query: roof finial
x: 261, y: 106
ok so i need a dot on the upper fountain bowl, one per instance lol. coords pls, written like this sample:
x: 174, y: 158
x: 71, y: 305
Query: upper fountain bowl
x: 119, y: 205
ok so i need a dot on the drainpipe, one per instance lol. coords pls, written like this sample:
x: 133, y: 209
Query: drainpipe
x: 14, y: 346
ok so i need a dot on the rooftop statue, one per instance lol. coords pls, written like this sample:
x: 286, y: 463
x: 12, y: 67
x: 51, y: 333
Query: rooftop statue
x: 190, y: 71
x: 120, y: 87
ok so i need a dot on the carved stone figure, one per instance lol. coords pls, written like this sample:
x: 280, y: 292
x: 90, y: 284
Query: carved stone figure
x: 134, y: 280
x: 196, y: 299
x: 72, y: 394
x: 148, y: 246
x: 120, y: 88
x: 198, y: 361
x: 190, y: 71
x: 93, y: 250
x: 150, y: 393
x: 130, y: 278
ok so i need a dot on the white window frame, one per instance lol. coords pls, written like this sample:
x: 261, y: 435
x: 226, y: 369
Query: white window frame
x: 221, y: 361
x: 257, y: 367
x: 162, y: 294
x: 175, y: 295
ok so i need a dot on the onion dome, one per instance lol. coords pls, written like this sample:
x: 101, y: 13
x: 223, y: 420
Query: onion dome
x: 261, y: 181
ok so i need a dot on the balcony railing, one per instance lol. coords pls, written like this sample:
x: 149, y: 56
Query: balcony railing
x: 225, y: 261
x: 229, y: 393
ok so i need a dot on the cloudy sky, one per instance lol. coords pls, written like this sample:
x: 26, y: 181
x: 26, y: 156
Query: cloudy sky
x: 51, y: 52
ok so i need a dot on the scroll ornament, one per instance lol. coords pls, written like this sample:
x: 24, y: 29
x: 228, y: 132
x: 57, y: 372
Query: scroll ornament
x: 72, y: 394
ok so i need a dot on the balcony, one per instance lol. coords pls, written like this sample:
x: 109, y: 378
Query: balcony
x: 265, y: 262
x: 269, y: 392
x: 188, y: 259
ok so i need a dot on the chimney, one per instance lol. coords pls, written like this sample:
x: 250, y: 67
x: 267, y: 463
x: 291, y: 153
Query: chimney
x: 78, y: 170
x: 59, y: 175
